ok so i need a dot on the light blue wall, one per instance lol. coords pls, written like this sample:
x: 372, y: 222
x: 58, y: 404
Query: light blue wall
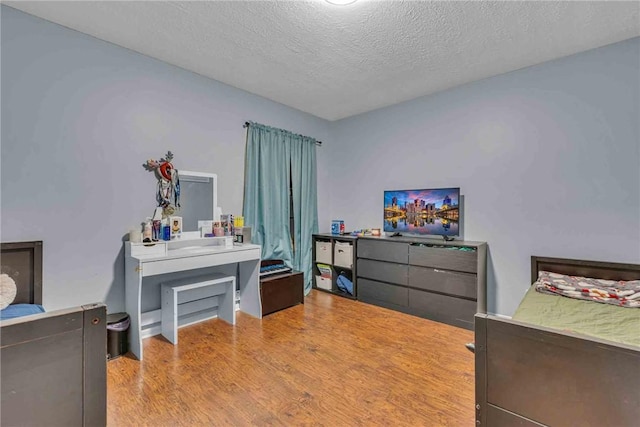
x: 79, y: 118
x: 547, y: 157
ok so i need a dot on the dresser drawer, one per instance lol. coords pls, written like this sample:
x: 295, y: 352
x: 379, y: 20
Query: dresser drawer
x: 447, y: 259
x: 443, y: 308
x: 383, y: 292
x: 383, y: 250
x: 446, y: 281
x: 383, y: 271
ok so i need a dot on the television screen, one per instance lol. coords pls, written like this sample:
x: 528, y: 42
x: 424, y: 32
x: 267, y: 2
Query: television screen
x: 422, y: 212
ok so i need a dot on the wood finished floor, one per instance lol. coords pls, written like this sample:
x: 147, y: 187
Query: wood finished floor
x: 329, y: 362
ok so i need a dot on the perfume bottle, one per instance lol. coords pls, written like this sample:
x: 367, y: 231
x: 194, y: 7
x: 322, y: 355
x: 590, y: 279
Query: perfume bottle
x: 147, y: 232
x: 166, y: 230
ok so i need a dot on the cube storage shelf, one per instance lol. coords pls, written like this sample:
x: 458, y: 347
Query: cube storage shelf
x: 338, y: 253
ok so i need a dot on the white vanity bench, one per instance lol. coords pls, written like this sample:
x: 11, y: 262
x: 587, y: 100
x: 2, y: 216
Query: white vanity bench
x: 191, y: 300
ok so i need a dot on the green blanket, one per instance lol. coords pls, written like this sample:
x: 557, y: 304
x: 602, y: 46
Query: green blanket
x: 618, y: 324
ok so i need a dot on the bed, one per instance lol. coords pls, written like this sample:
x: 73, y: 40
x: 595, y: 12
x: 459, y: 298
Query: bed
x: 532, y: 375
x: 53, y: 366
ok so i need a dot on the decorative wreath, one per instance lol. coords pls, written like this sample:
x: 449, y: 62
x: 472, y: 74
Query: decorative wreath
x: 168, y: 194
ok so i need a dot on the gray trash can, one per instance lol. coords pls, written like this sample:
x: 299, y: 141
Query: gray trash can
x: 117, y: 334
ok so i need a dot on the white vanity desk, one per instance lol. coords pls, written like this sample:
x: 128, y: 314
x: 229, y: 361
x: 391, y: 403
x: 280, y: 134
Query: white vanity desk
x: 180, y: 256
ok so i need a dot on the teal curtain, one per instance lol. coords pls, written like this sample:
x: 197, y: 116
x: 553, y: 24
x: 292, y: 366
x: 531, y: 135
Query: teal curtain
x: 275, y: 159
x: 305, y: 205
x: 266, y: 194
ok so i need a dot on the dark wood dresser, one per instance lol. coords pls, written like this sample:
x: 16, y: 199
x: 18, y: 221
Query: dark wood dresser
x: 437, y: 280
x: 281, y: 291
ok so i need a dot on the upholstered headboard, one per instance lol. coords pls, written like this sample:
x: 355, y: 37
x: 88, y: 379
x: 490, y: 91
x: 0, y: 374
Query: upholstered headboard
x: 23, y: 262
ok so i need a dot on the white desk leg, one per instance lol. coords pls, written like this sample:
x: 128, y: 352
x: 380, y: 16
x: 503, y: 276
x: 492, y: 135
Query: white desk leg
x: 249, y: 278
x: 227, y: 302
x: 133, y: 289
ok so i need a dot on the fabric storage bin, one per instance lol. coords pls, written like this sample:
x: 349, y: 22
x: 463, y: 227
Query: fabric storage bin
x: 323, y: 252
x: 343, y: 254
x: 323, y: 283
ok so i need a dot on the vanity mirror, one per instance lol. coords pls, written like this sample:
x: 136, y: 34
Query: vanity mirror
x: 199, y: 198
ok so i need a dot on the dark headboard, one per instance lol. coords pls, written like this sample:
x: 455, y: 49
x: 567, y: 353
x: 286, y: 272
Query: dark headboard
x: 594, y: 269
x: 22, y: 261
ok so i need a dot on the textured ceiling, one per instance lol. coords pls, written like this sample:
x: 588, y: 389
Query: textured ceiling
x: 338, y: 61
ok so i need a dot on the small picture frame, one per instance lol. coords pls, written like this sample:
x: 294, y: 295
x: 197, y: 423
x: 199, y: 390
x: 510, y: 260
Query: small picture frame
x: 175, y: 223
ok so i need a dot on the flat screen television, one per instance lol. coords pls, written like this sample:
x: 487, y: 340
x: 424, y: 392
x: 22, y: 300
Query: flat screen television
x: 427, y: 212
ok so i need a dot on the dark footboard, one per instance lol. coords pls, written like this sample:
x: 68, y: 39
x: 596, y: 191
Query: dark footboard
x: 530, y: 376
x: 54, y: 368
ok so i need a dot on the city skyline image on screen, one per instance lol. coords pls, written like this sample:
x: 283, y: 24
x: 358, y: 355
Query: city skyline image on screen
x: 423, y: 212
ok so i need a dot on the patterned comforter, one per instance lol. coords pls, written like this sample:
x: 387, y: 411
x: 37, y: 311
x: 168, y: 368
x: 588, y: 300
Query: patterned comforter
x: 620, y: 293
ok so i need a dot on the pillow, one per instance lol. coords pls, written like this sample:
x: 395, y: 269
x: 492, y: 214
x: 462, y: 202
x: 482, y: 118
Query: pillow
x: 7, y: 290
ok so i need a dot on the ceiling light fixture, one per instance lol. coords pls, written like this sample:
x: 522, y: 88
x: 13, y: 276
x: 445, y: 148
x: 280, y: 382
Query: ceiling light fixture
x: 340, y: 2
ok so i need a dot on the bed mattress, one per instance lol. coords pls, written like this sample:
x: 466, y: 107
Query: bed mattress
x: 605, y: 321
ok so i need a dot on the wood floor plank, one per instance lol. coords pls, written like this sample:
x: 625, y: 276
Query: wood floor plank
x: 329, y: 362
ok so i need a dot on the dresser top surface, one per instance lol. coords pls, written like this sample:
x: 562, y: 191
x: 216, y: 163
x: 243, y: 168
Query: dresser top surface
x: 195, y: 251
x: 424, y: 241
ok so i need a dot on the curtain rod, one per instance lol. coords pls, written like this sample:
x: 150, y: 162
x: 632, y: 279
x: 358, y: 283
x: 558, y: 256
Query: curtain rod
x: 246, y: 125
